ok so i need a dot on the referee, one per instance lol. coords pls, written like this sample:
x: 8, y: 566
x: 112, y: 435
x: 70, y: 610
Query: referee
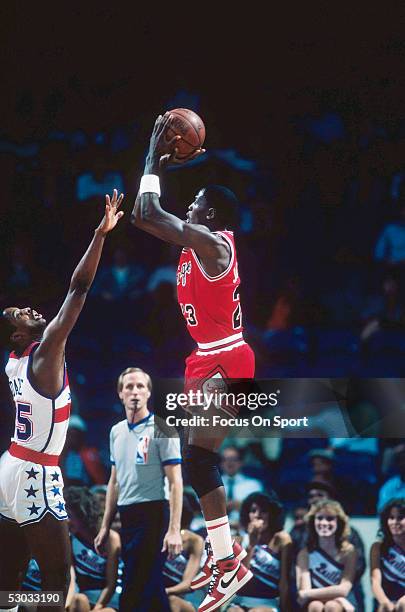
x: 141, y: 458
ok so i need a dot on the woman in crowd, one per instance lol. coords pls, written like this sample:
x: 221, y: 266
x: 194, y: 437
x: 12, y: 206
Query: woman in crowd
x: 179, y: 572
x: 387, y: 559
x: 326, y: 567
x: 268, y: 556
x: 96, y: 575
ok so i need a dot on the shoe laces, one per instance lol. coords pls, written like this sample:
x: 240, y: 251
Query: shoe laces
x: 216, y: 572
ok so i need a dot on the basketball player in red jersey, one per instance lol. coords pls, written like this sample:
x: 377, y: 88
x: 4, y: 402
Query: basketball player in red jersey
x: 33, y: 519
x: 208, y: 283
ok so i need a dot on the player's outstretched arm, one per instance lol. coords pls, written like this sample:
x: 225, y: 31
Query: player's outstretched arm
x: 50, y: 353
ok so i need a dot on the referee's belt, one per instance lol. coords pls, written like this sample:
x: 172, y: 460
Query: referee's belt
x: 27, y: 454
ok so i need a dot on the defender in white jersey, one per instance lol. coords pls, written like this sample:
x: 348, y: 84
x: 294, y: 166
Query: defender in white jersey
x: 32, y: 509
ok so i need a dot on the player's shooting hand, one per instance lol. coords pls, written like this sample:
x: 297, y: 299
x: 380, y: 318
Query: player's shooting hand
x: 100, y: 540
x: 111, y: 214
x: 172, y: 543
x: 171, y: 158
x: 159, y: 144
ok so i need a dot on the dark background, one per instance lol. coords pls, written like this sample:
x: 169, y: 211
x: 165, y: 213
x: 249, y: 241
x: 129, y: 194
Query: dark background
x: 304, y: 111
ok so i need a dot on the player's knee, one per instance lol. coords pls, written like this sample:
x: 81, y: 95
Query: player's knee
x: 201, y: 469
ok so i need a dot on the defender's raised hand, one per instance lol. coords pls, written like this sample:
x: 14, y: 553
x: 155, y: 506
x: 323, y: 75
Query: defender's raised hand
x: 111, y: 216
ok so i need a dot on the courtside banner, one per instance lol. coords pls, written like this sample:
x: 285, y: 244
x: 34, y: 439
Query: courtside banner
x: 293, y: 407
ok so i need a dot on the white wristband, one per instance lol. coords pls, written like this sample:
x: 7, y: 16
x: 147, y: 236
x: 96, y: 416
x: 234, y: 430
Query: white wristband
x: 150, y: 184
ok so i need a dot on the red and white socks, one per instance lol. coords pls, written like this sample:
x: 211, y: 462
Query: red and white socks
x: 219, y: 534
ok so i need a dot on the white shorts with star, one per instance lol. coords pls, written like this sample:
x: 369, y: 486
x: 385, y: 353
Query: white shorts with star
x: 29, y: 490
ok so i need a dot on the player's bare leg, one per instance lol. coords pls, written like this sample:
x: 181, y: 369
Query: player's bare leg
x: 54, y: 561
x: 14, y: 556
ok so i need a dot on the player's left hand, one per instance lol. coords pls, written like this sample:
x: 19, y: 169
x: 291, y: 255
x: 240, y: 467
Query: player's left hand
x: 171, y: 158
x: 111, y: 216
x: 172, y: 543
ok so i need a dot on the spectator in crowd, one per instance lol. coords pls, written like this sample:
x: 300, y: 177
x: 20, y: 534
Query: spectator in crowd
x: 322, y: 465
x: 268, y: 555
x: 389, y: 251
x: 96, y: 575
x: 358, y: 456
x: 237, y: 485
x: 162, y: 274
x: 383, y: 309
x: 179, y: 571
x: 298, y: 515
x: 96, y: 179
x: 323, y: 468
x: 100, y: 492
x: 387, y: 558
x: 122, y: 279
x: 388, y: 448
x: 166, y: 339
x: 326, y: 567
x: 142, y: 458
x: 21, y: 274
x: 287, y: 308
x: 394, y: 488
x: 316, y: 492
x: 81, y: 465
x: 390, y: 246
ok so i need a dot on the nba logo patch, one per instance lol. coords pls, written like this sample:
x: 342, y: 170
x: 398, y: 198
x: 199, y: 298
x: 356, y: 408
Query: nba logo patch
x: 142, y: 450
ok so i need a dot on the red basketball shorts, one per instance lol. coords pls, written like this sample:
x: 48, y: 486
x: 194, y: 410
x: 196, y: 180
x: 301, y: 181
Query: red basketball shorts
x: 219, y: 371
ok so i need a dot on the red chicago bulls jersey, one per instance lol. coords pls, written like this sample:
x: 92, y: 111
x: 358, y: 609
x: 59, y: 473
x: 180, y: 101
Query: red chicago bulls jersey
x: 210, y: 304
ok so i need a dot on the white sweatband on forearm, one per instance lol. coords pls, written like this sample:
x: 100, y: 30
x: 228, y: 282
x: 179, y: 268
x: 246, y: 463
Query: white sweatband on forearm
x: 150, y: 184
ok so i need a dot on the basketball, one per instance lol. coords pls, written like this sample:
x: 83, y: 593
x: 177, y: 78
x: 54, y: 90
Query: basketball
x: 187, y: 124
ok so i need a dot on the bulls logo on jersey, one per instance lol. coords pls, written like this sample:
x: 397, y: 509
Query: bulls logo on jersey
x: 142, y: 450
x: 183, y: 270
